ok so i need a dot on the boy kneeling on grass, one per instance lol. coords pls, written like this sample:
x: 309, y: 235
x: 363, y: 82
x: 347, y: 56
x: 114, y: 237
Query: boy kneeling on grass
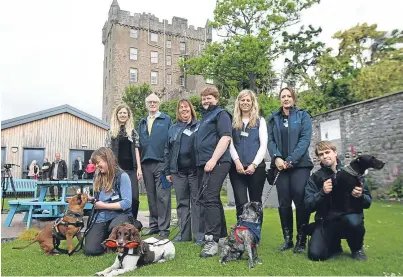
x: 338, y: 215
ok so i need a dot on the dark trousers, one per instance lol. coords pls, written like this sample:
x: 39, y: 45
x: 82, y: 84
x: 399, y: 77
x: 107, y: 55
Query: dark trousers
x: 135, y: 191
x: 52, y: 190
x: 247, y: 184
x: 327, y: 235
x: 159, y: 199
x: 186, y: 190
x: 100, y: 232
x: 214, y: 218
x: 291, y: 187
x: 90, y: 176
x: 80, y: 174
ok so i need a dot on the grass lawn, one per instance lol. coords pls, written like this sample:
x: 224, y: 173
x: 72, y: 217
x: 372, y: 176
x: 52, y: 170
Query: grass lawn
x: 383, y: 246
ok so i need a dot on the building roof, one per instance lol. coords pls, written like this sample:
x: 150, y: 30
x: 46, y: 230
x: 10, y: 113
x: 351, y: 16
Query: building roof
x: 5, y: 124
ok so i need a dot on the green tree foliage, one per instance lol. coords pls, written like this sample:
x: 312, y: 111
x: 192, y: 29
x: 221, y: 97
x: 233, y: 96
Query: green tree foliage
x: 250, y: 31
x: 135, y: 97
x: 268, y: 104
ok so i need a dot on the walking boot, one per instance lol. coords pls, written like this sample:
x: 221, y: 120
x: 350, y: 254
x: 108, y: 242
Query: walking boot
x: 288, y: 243
x: 287, y: 226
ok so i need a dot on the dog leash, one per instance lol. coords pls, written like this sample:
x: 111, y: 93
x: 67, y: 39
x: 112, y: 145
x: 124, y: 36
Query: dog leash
x: 272, y: 186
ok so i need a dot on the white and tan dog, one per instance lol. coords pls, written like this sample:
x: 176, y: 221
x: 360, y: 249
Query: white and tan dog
x: 134, y: 252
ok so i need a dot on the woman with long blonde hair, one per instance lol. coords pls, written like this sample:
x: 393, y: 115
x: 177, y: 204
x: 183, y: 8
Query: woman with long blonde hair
x: 113, y: 195
x: 248, y: 149
x: 123, y: 139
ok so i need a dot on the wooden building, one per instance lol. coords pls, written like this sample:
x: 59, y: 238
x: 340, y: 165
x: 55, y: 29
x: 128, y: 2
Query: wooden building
x: 64, y: 129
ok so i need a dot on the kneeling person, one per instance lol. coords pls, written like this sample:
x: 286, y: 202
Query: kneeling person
x: 339, y: 214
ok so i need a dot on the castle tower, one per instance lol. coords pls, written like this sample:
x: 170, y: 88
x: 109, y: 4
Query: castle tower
x: 140, y: 48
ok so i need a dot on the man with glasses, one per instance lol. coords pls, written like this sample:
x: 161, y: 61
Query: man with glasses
x: 153, y: 133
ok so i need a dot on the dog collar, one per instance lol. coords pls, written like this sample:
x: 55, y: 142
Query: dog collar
x: 351, y: 171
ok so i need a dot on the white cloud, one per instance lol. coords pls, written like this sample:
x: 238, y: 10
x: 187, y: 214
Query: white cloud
x: 52, y: 54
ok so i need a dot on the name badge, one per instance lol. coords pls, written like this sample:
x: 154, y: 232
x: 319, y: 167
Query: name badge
x: 188, y: 132
x: 115, y: 197
x: 244, y: 134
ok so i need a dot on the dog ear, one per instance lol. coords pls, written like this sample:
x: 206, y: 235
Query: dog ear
x: 114, y: 233
x: 134, y: 234
x: 144, y: 247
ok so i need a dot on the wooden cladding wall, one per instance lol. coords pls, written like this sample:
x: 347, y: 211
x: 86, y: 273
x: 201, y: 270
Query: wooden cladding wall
x: 59, y: 133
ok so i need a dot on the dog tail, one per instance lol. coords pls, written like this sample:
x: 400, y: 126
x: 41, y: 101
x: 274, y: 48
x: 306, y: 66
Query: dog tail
x: 25, y: 246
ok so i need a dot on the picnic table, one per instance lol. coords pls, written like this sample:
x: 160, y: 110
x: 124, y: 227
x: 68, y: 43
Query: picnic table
x: 55, y: 208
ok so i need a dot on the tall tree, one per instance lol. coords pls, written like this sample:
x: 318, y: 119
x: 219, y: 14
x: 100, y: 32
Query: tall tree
x: 251, y: 32
x: 135, y: 97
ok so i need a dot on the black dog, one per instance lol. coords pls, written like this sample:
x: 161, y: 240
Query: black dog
x: 245, y: 236
x: 349, y: 177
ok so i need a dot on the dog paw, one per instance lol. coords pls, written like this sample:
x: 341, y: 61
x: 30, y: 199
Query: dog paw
x: 250, y: 265
x: 257, y: 261
x: 99, y: 274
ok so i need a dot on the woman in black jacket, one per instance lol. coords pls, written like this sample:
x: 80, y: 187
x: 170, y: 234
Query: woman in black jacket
x: 181, y: 170
x: 123, y: 139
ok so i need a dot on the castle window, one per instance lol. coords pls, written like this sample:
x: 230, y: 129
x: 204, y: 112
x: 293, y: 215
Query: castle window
x: 154, y: 77
x: 133, y: 33
x: 154, y: 37
x: 183, y: 47
x: 154, y: 57
x: 169, y: 79
x: 169, y: 44
x: 182, y: 81
x: 169, y: 60
x: 133, y: 75
x: 133, y: 53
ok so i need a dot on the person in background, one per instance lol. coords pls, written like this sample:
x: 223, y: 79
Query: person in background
x: 90, y: 169
x: 248, y: 149
x: 181, y: 170
x: 123, y: 139
x: 153, y: 132
x: 213, y: 161
x: 33, y: 170
x: 45, y: 169
x: 113, y: 191
x: 58, y: 171
x: 78, y: 168
x: 290, y: 132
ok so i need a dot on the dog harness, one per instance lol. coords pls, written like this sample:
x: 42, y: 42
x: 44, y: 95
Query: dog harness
x: 58, y: 236
x: 254, y: 228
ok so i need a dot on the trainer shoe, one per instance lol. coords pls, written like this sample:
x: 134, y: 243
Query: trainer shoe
x: 359, y: 255
x: 210, y: 248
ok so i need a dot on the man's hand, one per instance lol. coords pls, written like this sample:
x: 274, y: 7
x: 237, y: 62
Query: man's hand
x: 327, y: 186
x: 250, y: 170
x: 169, y: 178
x: 357, y: 192
x: 239, y: 167
x: 279, y: 164
x: 210, y: 165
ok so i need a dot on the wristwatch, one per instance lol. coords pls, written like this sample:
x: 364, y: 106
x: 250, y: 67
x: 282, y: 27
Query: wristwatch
x: 255, y: 166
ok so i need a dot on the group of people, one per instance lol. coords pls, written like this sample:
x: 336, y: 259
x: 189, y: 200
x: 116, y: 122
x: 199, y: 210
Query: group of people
x: 195, y: 155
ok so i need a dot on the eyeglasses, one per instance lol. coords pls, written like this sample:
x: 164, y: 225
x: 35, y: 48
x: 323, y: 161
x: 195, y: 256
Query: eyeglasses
x: 152, y: 102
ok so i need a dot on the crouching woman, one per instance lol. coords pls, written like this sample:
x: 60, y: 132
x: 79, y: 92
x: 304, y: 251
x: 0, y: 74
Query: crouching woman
x: 113, y: 196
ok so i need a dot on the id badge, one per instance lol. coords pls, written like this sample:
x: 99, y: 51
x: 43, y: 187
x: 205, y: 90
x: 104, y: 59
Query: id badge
x: 244, y: 134
x: 115, y: 197
x: 188, y: 132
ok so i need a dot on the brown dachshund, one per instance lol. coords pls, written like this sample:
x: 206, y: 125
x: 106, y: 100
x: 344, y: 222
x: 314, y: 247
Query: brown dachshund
x: 66, y: 228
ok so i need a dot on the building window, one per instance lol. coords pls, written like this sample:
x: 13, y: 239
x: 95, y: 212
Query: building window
x: 133, y: 53
x: 3, y: 156
x: 201, y: 47
x: 169, y: 60
x: 169, y: 79
x: 154, y: 57
x: 106, y: 80
x: 30, y: 154
x: 106, y: 62
x: 154, y: 77
x: 183, y: 47
x: 209, y: 81
x: 182, y: 81
x: 169, y: 44
x: 133, y: 75
x: 133, y: 33
x: 154, y: 37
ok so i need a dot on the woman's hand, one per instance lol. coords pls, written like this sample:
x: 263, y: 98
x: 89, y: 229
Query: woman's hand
x: 210, y: 165
x: 250, y: 170
x: 279, y: 164
x: 139, y: 174
x: 169, y: 178
x: 239, y: 167
x: 99, y: 205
